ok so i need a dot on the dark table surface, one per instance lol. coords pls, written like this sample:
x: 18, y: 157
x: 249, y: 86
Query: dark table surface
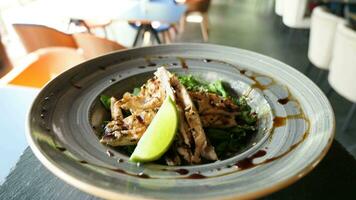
x: 333, y: 178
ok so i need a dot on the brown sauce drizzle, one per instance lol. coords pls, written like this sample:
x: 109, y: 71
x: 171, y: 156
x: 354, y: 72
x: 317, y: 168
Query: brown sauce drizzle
x: 76, y: 86
x: 248, y: 162
x: 195, y: 176
x: 289, y: 150
x: 283, y: 101
x: 182, y: 171
x: 149, y: 62
x: 250, y: 165
x: 119, y: 171
x: 183, y: 63
x: 298, y: 116
x: 279, y: 121
x: 142, y: 175
x: 242, y: 71
x: 259, y: 85
x: 62, y: 149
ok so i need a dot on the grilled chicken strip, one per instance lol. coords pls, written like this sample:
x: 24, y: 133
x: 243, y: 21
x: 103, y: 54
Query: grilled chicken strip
x: 192, y: 118
x: 214, y: 110
x: 116, y: 113
x: 184, y: 139
x: 166, y: 77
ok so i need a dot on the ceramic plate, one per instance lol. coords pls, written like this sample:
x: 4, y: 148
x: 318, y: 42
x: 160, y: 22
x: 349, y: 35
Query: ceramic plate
x: 295, y: 126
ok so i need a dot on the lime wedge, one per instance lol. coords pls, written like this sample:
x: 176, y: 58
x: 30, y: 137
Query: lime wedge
x: 159, y: 134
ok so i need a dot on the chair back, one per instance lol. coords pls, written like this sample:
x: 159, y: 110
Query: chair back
x: 5, y: 64
x: 34, y: 37
x: 294, y: 13
x: 201, y: 6
x: 343, y: 63
x: 43, y: 65
x: 321, y: 38
x: 93, y: 46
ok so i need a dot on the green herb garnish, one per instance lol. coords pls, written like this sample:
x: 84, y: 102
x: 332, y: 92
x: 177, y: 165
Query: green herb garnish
x: 105, y: 100
x: 136, y: 91
x: 193, y: 83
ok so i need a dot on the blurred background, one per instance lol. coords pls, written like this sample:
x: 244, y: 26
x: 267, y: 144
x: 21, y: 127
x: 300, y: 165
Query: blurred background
x: 42, y: 38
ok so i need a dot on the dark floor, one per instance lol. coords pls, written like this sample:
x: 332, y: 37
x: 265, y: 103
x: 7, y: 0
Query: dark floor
x: 253, y: 25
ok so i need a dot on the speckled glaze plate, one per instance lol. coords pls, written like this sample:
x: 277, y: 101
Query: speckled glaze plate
x: 295, y: 126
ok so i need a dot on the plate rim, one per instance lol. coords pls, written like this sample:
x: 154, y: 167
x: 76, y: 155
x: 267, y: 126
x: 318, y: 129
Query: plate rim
x: 104, y: 193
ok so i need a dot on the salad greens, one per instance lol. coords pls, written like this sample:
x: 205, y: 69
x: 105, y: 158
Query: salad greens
x: 194, y: 84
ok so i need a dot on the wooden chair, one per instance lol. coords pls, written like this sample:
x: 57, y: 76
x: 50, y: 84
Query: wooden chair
x: 93, y: 46
x: 201, y: 7
x: 34, y: 37
x: 41, y: 66
x: 5, y: 64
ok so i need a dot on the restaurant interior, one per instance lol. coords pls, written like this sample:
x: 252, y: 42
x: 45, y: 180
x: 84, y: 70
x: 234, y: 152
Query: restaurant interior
x: 40, y: 39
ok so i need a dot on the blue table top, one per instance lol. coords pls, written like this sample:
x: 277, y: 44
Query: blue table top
x: 164, y: 11
x: 14, y: 104
x: 159, y: 10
